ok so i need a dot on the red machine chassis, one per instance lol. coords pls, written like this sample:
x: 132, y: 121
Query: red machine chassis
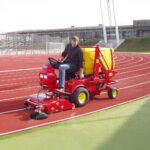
x: 53, y: 101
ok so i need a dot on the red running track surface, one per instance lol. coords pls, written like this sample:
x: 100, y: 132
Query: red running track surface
x: 19, y: 78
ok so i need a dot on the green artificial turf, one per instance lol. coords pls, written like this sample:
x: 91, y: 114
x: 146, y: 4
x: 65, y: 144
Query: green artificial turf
x: 122, y: 128
x: 135, y: 45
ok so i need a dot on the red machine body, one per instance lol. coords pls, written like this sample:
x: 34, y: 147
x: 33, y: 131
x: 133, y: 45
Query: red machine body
x: 48, y: 77
x: 51, y: 101
x: 48, y: 104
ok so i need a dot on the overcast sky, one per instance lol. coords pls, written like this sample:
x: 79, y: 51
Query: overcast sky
x: 45, y: 14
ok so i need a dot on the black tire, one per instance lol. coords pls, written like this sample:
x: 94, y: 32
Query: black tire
x: 33, y: 115
x: 112, y: 93
x: 38, y: 115
x: 76, y: 95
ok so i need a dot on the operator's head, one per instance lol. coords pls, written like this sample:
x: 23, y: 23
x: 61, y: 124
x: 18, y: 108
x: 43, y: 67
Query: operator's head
x: 74, y: 41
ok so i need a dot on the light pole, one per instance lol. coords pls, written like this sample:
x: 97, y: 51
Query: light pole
x: 109, y: 12
x: 116, y: 25
x: 104, y: 28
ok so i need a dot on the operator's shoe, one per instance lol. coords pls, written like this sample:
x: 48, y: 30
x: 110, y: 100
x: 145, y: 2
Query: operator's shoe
x: 60, y: 89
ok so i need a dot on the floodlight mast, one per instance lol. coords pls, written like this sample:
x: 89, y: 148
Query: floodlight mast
x: 110, y: 20
x: 102, y: 19
x: 116, y: 25
x: 109, y: 12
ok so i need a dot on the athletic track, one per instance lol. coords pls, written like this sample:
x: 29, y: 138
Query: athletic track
x: 19, y: 78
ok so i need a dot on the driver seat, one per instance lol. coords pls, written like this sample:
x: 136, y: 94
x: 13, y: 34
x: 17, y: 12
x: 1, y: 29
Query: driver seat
x: 70, y: 75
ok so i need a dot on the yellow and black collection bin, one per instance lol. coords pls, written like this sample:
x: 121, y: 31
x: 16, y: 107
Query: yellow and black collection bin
x: 89, y: 56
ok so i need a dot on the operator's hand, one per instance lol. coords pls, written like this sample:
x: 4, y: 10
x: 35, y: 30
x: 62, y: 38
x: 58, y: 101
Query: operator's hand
x: 59, y: 59
x: 81, y: 76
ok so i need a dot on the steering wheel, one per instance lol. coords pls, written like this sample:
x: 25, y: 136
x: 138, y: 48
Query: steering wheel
x: 52, y: 60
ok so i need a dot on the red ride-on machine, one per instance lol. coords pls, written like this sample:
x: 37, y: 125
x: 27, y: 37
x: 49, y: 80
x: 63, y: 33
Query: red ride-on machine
x: 77, y: 92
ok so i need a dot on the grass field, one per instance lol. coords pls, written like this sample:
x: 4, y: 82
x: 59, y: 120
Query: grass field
x: 122, y: 128
x: 135, y: 45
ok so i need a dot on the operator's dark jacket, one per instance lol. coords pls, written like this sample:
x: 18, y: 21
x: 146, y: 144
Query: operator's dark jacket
x: 73, y: 56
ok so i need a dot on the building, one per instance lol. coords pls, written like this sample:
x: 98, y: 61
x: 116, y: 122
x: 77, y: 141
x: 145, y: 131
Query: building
x: 38, y: 38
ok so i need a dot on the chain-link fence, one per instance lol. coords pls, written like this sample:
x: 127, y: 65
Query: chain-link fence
x: 37, y: 42
x: 17, y: 44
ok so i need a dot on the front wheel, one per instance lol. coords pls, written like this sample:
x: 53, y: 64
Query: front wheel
x: 80, y: 97
x: 112, y: 93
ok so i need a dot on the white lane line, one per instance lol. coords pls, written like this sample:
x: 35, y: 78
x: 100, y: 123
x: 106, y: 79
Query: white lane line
x: 39, y: 86
x: 12, y: 111
x: 120, y: 59
x: 16, y: 79
x: 30, y: 60
x: 17, y: 70
x: 115, y: 57
x: 117, y: 80
x: 130, y: 86
x: 19, y: 83
x: 132, y: 53
x: 124, y: 62
x: 13, y: 98
x: 126, y: 87
x: 20, y: 89
x: 133, y: 70
x: 18, y: 75
x: 28, y: 71
x: 141, y: 75
x: 73, y: 117
x: 138, y: 61
x: 137, y: 65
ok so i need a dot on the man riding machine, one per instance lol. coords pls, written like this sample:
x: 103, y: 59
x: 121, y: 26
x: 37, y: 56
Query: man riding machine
x: 74, y: 89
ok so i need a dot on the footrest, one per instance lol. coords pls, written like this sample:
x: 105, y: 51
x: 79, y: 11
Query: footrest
x: 62, y: 92
x: 113, y: 82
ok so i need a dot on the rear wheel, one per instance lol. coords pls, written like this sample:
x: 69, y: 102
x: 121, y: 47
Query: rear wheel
x: 112, y: 93
x: 80, y: 97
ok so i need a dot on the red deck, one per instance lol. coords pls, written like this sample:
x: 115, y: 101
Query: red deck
x: 19, y: 78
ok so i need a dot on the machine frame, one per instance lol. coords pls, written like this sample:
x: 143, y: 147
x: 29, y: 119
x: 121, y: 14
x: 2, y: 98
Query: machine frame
x: 77, y: 92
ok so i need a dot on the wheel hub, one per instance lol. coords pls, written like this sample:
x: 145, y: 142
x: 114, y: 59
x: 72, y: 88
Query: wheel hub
x: 82, y: 98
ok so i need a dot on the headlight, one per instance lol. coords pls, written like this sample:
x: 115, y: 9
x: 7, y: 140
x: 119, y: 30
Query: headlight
x: 41, y: 76
x: 45, y: 77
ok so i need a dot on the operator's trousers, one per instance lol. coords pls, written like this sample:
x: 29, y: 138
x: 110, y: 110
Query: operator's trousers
x: 62, y: 71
